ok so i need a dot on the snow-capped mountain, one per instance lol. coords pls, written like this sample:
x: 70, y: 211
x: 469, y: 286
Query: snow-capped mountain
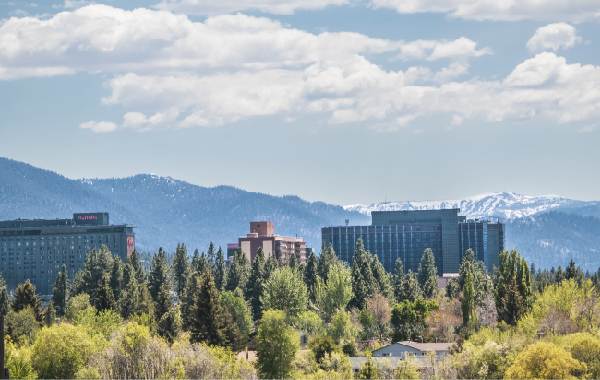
x: 505, y: 205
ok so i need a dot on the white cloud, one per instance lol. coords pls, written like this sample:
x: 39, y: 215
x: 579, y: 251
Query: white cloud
x: 553, y: 37
x: 500, y: 10
x: 212, y: 7
x: 99, y: 126
x: 433, y: 50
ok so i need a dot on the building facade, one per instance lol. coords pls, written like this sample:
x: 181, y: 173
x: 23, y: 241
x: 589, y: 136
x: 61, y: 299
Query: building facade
x: 37, y: 249
x: 406, y: 235
x: 262, y: 235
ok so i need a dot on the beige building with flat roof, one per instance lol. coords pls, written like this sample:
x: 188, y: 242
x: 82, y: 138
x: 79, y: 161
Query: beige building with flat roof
x: 262, y: 235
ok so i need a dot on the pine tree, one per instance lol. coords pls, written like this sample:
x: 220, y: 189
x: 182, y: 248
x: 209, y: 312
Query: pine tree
x: 180, y: 268
x: 326, y: 259
x: 238, y: 273
x: 98, y: 265
x: 169, y: 324
x: 398, y: 279
x: 49, y: 314
x: 363, y: 282
x: 254, y: 287
x: 159, y: 284
x: 220, y: 270
x: 134, y: 261
x: 200, y: 263
x: 211, y: 254
x: 411, y: 291
x: 26, y: 296
x: 60, y: 292
x: 207, y: 322
x: 116, y: 278
x: 573, y: 272
x: 428, y: 274
x: 270, y: 266
x: 381, y: 277
x: 311, y: 276
x: 513, y: 287
x: 105, y: 298
x: 129, y: 304
x: 468, y: 302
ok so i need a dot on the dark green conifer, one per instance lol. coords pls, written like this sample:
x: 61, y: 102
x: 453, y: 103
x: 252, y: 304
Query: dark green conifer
x: 220, y: 270
x: 159, y: 284
x: 180, y: 268
x: 428, y: 274
x: 311, y: 276
x: 207, y: 319
x: 60, y: 291
x: 254, y: 287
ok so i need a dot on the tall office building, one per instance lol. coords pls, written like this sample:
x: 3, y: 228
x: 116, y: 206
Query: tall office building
x: 37, y: 249
x: 406, y: 234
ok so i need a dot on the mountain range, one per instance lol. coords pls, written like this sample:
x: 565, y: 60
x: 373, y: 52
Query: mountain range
x: 548, y: 230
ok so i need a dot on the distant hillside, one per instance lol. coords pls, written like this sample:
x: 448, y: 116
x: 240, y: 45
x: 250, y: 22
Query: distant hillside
x: 548, y: 230
x: 165, y: 211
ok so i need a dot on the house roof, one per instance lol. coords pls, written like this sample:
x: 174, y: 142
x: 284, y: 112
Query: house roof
x: 423, y: 347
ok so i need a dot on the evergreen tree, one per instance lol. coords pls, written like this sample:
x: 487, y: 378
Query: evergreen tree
x: 26, y: 296
x: 105, y: 297
x: 159, y: 284
x: 364, y: 284
x: 254, y: 286
x: 238, y: 273
x: 200, y: 263
x: 469, y: 302
x: 60, y: 292
x: 220, y: 270
x: 381, y: 277
x: 211, y: 254
x: 180, y: 268
x: 116, y: 278
x: 411, y: 291
x: 135, y: 263
x: 207, y: 322
x: 398, y: 278
x: 238, y: 319
x: 169, y: 324
x: 276, y: 346
x: 129, y: 304
x: 98, y: 265
x: 574, y: 272
x: 311, y: 276
x: 513, y: 287
x: 326, y: 259
x: 428, y: 274
x: 49, y: 314
x: 285, y: 290
x: 270, y: 266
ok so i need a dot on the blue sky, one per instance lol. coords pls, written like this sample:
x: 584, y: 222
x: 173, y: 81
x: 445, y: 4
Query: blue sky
x: 344, y: 101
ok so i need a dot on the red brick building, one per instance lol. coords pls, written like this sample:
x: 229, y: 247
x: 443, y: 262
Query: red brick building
x: 262, y: 235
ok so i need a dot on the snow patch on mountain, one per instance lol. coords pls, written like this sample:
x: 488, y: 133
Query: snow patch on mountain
x: 504, y: 205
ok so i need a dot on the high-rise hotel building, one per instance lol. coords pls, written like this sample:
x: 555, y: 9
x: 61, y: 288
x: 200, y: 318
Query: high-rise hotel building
x: 36, y: 249
x: 406, y: 235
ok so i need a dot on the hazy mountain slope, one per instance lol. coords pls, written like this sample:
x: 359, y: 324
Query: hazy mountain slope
x: 165, y: 211
x: 548, y: 230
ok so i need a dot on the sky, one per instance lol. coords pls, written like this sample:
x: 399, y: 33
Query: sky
x: 344, y: 101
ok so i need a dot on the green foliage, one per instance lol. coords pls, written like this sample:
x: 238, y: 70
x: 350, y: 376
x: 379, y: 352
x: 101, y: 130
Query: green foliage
x: 410, y: 291
x: 368, y: 370
x: 18, y: 361
x: 564, y: 308
x: 238, y: 272
x: 364, y: 284
x: 407, y: 369
x: 169, y: 324
x: 336, y: 292
x: 309, y: 323
x: 159, y: 284
x: 311, y: 276
x: 206, y: 312
x: 94, y: 278
x: 341, y: 328
x: 220, y: 270
x: 409, y: 319
x: 544, y: 360
x: 398, y: 279
x: 585, y: 347
x: 22, y: 326
x: 104, y: 322
x: 322, y: 345
x: 116, y: 278
x: 513, y: 287
x: 276, y: 345
x: 482, y: 361
x: 382, y: 279
x: 26, y: 297
x: 254, y: 286
x: 76, y: 304
x: 326, y: 260
x: 60, y: 351
x: 239, y: 323
x: 428, y: 274
x: 375, y: 318
x: 60, y: 291
x: 285, y: 290
x: 180, y: 269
